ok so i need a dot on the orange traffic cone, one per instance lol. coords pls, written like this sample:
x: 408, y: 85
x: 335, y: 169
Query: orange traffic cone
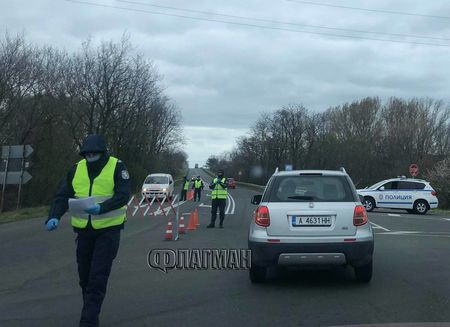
x: 197, y: 222
x: 169, y: 232
x: 181, y: 226
x: 191, y: 224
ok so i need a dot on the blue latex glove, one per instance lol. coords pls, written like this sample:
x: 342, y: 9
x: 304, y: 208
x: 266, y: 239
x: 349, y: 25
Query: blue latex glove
x: 52, y: 224
x: 93, y: 210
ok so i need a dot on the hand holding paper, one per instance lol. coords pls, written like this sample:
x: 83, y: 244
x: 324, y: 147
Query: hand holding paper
x: 93, y: 210
x: 79, y: 205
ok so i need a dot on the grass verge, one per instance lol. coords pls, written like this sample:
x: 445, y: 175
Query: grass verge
x: 444, y: 212
x: 23, y: 214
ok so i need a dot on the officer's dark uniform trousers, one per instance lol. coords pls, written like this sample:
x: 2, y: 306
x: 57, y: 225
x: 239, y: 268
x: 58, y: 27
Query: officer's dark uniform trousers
x: 96, y: 250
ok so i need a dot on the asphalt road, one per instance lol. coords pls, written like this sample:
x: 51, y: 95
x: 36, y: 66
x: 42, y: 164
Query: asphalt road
x: 39, y: 286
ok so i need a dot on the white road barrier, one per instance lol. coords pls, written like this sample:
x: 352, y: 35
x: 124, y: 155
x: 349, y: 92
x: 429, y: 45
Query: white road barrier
x: 135, y: 204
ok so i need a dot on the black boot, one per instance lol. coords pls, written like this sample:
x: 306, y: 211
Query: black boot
x: 210, y: 226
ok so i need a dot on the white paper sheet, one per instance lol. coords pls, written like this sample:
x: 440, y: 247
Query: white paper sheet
x: 78, y: 205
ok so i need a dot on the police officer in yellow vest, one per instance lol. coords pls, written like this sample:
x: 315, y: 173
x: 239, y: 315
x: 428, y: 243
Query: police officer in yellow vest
x: 184, y: 189
x: 197, y: 186
x: 219, y: 198
x: 98, y: 229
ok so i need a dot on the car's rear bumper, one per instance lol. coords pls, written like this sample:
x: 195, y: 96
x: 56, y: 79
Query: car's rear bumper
x: 351, y: 253
x: 434, y: 204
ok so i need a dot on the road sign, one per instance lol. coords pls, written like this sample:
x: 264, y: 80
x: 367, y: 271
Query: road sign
x: 16, y: 151
x: 13, y: 178
x: 288, y: 167
x: 414, y: 170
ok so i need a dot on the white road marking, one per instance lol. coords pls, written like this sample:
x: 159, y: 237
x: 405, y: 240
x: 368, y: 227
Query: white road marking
x: 394, y: 215
x: 379, y: 214
x: 231, y: 205
x: 416, y: 234
x: 205, y: 205
x: 227, y: 210
x: 400, y: 232
x: 234, y: 205
x: 376, y: 226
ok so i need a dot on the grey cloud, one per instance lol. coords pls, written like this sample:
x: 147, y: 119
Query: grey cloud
x: 223, y: 75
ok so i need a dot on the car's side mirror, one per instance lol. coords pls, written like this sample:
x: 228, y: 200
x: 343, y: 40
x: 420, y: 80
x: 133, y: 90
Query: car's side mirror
x: 256, y: 199
x: 381, y: 188
x: 361, y: 198
x: 170, y: 182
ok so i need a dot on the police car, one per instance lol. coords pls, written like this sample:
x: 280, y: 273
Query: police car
x: 414, y: 195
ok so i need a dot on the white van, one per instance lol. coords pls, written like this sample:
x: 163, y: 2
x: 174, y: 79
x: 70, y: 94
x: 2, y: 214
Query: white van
x: 158, y: 185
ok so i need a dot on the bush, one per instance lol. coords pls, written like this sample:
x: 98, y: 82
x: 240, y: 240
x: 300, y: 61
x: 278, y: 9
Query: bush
x: 439, y: 177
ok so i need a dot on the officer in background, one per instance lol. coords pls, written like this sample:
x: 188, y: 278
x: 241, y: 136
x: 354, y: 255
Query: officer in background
x: 184, y: 189
x: 98, y: 231
x: 197, y: 186
x: 219, y: 198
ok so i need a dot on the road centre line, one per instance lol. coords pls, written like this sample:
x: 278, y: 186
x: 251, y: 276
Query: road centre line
x: 228, y: 204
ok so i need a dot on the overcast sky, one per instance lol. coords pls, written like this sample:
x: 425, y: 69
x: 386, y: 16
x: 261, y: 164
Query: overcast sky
x: 222, y: 76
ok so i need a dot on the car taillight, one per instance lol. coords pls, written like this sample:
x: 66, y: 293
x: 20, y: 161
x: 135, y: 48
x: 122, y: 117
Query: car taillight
x: 360, y: 216
x: 433, y: 193
x: 262, y: 217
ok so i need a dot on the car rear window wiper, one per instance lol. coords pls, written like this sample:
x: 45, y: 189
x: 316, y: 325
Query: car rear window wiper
x: 301, y: 197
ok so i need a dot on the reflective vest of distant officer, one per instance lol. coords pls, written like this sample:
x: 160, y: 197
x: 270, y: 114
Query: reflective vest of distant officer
x: 219, y: 195
x: 197, y: 186
x: 107, y: 180
x: 185, y: 188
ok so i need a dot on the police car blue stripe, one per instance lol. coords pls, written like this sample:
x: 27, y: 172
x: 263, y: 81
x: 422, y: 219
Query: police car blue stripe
x: 433, y: 203
x: 395, y: 202
x: 399, y: 190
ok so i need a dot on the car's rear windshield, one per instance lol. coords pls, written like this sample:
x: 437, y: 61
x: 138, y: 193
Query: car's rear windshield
x: 305, y: 188
x: 156, y: 180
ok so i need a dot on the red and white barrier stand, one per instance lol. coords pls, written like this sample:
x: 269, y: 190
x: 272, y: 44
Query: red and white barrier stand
x: 146, y: 208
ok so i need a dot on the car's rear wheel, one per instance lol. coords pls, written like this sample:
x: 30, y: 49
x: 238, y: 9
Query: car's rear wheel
x: 421, y: 207
x: 257, y: 274
x: 363, y: 274
x: 369, y: 203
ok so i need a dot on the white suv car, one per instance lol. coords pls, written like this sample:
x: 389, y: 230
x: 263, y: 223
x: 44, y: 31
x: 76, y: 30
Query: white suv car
x: 310, y: 217
x: 414, y: 195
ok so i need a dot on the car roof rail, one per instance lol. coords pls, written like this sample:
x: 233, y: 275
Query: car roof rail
x: 276, y: 171
x: 342, y: 169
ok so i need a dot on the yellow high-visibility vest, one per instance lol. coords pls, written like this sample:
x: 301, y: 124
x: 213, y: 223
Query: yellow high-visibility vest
x: 219, y: 192
x: 186, y: 185
x: 197, y: 184
x: 102, y: 189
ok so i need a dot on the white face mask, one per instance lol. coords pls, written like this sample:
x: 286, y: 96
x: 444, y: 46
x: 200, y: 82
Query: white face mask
x: 93, y: 158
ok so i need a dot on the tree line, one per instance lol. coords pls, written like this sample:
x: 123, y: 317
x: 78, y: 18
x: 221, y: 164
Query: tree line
x: 51, y: 99
x: 371, y: 139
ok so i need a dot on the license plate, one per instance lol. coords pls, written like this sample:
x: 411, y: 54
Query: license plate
x: 321, y: 221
